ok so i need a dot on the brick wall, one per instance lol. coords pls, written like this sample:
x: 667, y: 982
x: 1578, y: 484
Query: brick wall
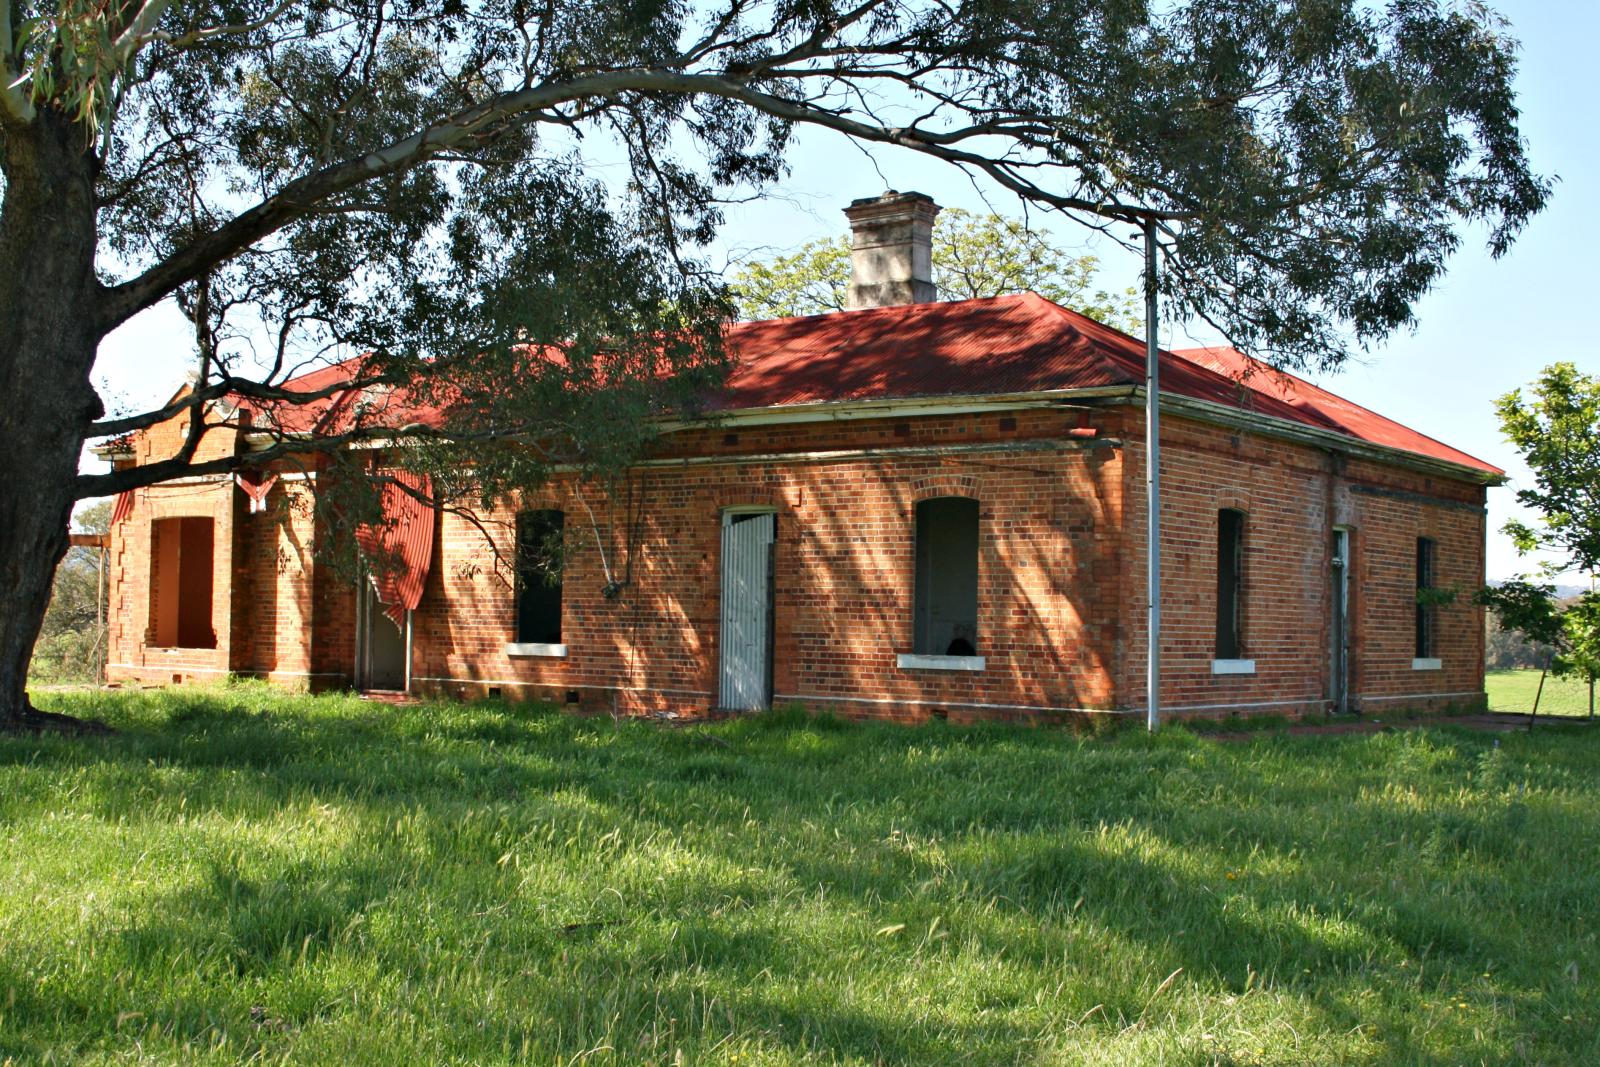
x: 1061, y: 574
x: 1293, y: 496
x: 843, y: 574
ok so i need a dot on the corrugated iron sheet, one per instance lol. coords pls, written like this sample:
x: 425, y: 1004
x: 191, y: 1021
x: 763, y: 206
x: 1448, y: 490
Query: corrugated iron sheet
x: 745, y: 593
x: 123, y: 506
x: 400, y: 548
x: 1318, y: 407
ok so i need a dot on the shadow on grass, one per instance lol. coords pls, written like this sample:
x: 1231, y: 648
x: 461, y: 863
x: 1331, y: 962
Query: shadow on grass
x: 1238, y: 867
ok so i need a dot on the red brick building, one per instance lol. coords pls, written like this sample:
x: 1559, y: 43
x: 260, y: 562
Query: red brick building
x: 906, y: 509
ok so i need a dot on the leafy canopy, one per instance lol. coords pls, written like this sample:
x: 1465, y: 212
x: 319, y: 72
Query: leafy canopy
x: 1556, y: 429
x: 454, y: 184
x: 1580, y: 655
x: 973, y: 256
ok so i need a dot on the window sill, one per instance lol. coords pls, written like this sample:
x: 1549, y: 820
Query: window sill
x: 1233, y: 666
x: 1427, y: 665
x: 533, y: 648
x: 909, y: 661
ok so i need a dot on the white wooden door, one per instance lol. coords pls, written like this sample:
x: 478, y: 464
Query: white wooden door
x: 746, y: 611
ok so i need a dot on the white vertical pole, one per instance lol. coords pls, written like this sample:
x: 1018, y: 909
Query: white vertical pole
x: 1152, y: 480
x: 101, y: 651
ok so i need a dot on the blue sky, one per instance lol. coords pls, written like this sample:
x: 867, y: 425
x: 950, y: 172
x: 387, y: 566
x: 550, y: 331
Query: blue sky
x: 1488, y: 328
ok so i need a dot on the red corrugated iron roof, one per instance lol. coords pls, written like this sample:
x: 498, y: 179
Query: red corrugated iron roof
x: 1021, y: 344
x: 996, y: 346
x: 1319, y: 407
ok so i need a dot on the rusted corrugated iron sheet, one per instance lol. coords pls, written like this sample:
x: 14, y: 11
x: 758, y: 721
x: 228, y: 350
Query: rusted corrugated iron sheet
x: 400, y: 548
x: 123, y: 507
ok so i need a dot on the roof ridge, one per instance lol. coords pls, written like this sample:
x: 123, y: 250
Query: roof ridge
x: 907, y: 308
x: 1107, y: 359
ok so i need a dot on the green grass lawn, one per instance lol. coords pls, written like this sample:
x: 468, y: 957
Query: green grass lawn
x: 241, y: 875
x: 1514, y: 691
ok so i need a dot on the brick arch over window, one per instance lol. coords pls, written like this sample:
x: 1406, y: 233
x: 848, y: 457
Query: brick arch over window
x: 944, y: 483
x: 1231, y: 499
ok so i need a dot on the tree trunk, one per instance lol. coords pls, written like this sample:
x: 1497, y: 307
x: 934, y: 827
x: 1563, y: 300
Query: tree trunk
x: 49, y: 330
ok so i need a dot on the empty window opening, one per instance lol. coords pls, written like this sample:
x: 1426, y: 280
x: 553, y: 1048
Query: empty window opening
x: 946, y: 609
x: 1230, y: 583
x: 1426, y: 612
x: 539, y: 542
x: 181, y: 583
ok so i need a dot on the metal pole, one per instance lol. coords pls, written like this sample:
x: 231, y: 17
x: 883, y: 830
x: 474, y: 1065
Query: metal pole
x: 100, y: 613
x: 1152, y: 479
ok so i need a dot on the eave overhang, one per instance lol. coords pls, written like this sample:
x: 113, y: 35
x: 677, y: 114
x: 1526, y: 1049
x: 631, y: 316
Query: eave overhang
x: 1101, y: 396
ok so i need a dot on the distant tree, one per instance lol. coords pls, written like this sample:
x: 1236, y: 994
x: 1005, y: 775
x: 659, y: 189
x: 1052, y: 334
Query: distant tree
x: 1506, y: 649
x: 1568, y: 632
x: 808, y: 281
x: 72, y: 638
x: 1527, y: 608
x: 973, y: 256
x: 1557, y: 431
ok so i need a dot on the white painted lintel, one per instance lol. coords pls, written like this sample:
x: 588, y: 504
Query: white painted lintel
x: 534, y: 648
x: 912, y: 662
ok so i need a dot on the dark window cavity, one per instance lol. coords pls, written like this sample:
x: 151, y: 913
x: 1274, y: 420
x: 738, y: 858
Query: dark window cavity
x: 1426, y: 613
x: 1230, y: 583
x: 539, y: 541
x: 946, y: 611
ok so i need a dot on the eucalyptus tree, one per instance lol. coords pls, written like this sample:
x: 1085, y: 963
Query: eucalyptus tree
x: 427, y: 181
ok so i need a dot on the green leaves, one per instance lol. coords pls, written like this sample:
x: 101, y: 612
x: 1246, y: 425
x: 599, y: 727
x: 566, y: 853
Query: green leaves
x: 807, y: 282
x: 973, y: 256
x: 1557, y: 432
x: 1579, y: 656
x: 430, y: 180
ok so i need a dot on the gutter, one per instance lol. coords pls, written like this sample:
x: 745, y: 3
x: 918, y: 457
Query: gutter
x: 1223, y: 415
x: 848, y: 410
x: 1205, y: 411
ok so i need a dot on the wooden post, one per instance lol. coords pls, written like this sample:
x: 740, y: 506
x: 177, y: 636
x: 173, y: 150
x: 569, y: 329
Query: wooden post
x: 1537, y: 694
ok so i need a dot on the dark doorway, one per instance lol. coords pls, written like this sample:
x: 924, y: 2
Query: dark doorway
x: 381, y: 646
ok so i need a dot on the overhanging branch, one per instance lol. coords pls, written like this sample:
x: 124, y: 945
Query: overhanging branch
x: 303, y: 195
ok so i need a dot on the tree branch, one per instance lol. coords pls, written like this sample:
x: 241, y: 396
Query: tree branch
x: 229, y: 385
x: 194, y: 37
x: 302, y: 195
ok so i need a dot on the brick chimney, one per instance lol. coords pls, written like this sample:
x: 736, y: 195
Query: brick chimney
x: 891, y: 250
